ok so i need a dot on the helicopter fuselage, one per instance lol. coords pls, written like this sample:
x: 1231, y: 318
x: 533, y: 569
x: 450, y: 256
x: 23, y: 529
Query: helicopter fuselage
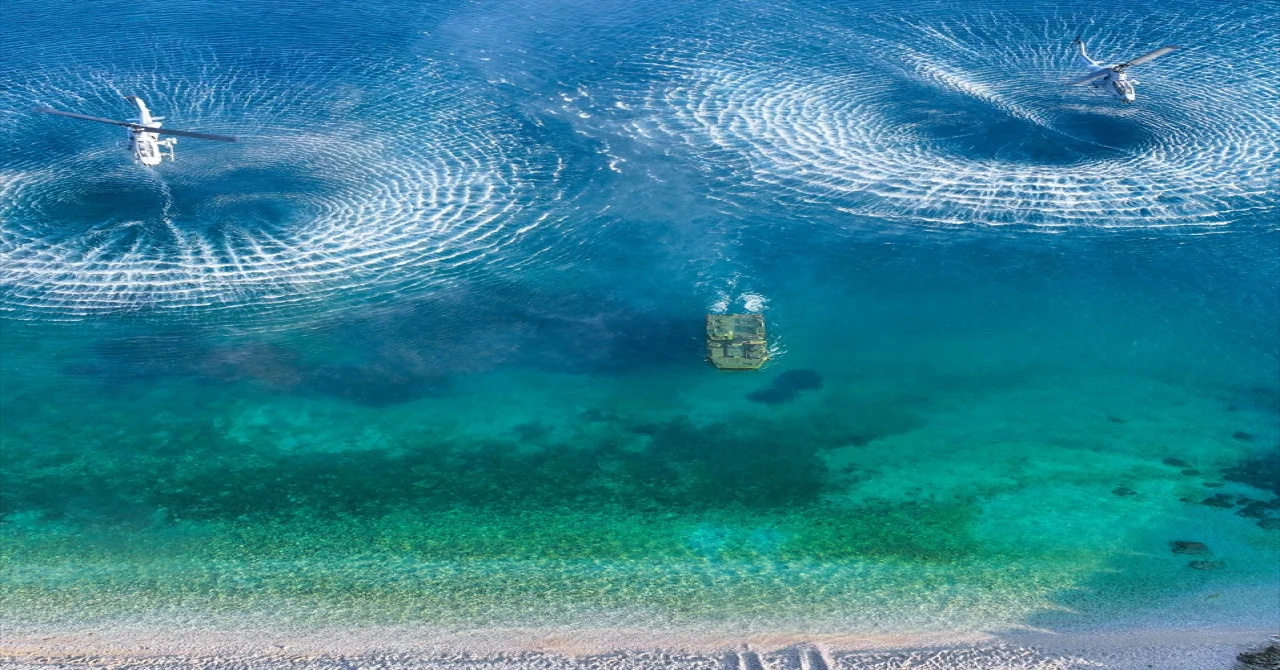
x: 1116, y: 82
x: 147, y: 147
x: 1118, y: 85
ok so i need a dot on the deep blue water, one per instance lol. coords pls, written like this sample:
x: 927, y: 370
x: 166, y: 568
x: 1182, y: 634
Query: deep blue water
x: 427, y: 343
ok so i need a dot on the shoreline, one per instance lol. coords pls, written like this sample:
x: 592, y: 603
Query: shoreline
x: 553, y: 648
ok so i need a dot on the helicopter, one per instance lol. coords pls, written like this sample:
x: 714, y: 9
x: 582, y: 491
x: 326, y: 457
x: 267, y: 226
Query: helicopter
x: 1113, y: 77
x: 145, y: 132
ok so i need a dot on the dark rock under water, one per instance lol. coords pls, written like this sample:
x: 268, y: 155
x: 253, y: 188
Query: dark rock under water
x: 1218, y: 502
x: 1188, y: 547
x: 1254, y: 510
x: 1262, y: 472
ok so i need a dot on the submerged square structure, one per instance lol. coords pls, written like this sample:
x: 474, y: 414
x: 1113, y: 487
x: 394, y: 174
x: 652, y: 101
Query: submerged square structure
x: 736, y: 341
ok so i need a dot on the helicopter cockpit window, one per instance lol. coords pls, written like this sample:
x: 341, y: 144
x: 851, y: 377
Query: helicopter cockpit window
x: 1123, y: 87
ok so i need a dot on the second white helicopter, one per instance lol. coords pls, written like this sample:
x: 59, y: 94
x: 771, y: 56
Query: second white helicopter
x: 145, y: 132
x: 1113, y: 77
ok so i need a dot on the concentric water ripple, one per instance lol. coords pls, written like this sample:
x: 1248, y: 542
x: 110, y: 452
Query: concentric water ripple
x: 944, y: 120
x: 399, y: 179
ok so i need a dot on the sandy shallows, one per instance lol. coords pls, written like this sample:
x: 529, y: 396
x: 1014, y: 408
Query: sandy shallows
x: 404, y: 648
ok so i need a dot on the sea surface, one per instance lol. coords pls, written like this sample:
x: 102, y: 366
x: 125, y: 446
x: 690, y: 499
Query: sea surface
x: 426, y: 346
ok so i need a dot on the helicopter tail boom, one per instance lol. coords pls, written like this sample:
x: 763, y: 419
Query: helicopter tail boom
x: 144, y: 114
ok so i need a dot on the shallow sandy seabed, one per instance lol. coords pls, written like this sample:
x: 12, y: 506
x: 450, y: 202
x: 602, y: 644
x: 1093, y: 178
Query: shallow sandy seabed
x: 536, y: 649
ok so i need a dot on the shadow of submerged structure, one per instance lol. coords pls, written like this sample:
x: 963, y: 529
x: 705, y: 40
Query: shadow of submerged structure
x: 787, y: 387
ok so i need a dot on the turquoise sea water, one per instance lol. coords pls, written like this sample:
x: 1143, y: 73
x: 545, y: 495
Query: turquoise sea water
x: 426, y: 346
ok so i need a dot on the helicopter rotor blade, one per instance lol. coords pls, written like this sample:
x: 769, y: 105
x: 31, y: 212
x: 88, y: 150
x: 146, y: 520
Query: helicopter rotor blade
x: 138, y: 126
x: 185, y: 133
x: 1090, y: 78
x: 113, y: 122
x: 1150, y: 56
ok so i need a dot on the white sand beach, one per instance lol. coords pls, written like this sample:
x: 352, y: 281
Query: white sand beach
x: 526, y: 649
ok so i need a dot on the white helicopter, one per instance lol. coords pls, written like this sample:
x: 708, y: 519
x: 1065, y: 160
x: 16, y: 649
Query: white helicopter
x: 145, y: 132
x: 1113, y: 77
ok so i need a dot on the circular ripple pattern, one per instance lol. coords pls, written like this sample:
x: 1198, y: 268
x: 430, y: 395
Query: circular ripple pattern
x: 966, y: 119
x: 350, y: 175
